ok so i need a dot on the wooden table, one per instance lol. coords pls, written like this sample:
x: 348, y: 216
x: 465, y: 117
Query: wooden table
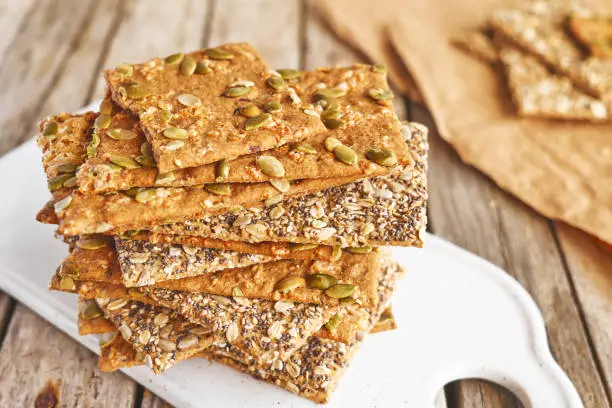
x: 53, y: 55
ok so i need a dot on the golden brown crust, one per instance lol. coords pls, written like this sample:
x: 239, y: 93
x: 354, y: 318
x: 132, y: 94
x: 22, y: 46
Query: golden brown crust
x: 595, y: 34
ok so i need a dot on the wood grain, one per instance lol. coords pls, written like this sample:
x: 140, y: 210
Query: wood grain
x: 12, y: 15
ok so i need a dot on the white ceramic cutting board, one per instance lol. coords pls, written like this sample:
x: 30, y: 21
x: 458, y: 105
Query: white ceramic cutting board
x: 458, y: 316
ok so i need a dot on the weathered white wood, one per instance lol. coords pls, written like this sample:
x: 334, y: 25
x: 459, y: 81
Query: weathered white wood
x: 12, y: 14
x: 150, y: 400
x: 34, y: 353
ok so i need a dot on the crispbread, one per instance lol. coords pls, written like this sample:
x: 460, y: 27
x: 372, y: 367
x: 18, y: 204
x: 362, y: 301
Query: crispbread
x: 369, y: 125
x: 215, y: 132
x: 380, y: 211
x: 477, y: 43
x: 161, y: 335
x: 594, y: 33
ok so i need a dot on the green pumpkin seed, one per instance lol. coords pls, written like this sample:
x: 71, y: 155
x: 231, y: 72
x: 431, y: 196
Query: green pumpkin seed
x: 347, y: 301
x: 346, y: 155
x: 165, y: 115
x: 320, y: 281
x: 136, y: 91
x: 303, y: 148
x: 92, y: 311
x: 164, y: 178
x: 289, y: 283
x: 124, y: 162
x: 66, y: 168
x: 250, y: 111
x: 237, y: 292
x: 91, y: 243
x: 50, y: 128
x: 202, y: 68
x: 113, y: 167
x: 218, y: 54
x: 288, y: 73
x: 176, y: 133
x: 336, y: 253
x: 188, y: 66
x: 62, y: 204
x: 125, y: 69
x: 248, y: 84
x: 281, y: 185
x: 57, y: 182
x: 326, y: 102
x: 294, y: 246
x: 106, y: 107
x: 380, y: 94
x: 333, y: 123
x: 379, y: 69
x: 277, y: 83
x: 132, y: 191
x: 359, y: 250
x: 145, y: 195
x: 236, y: 91
x: 222, y: 171
x: 333, y: 322
x: 331, y: 143
x: 121, y: 134
x: 383, y: 157
x: 68, y: 268
x: 146, y: 161
x: 102, y: 122
x: 331, y: 92
x: 218, y: 188
x: 175, y: 145
x: 340, y: 290
x: 257, y: 121
x: 273, y: 107
x: 146, y: 149
x: 67, y: 284
x: 188, y: 100
x: 174, y: 58
x: 271, y: 166
x: 92, y: 146
x: 71, y: 182
x: 135, y: 293
x: 331, y: 113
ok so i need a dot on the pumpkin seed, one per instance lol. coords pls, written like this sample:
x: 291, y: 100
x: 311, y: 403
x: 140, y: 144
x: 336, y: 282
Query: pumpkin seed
x: 346, y: 155
x: 106, y: 107
x: 146, y: 149
x: 91, y: 243
x: 174, y: 58
x: 92, y: 146
x: 340, y: 290
x: 331, y: 143
x: 347, y: 301
x: 71, y: 182
x: 336, y: 253
x: 331, y: 113
x: 222, y: 171
x: 294, y: 246
x: 380, y: 94
x: 50, y: 128
x: 248, y: 84
x: 92, y: 311
x: 124, y: 162
x: 218, y: 54
x: 67, y: 283
x: 237, y: 292
x: 320, y: 281
x: 281, y: 185
x: 250, y: 111
x: 164, y: 178
x: 146, y: 161
x: 121, y: 134
x: 273, y: 107
x: 165, y: 115
x: 331, y: 92
x: 102, y: 122
x: 257, y: 121
x: 188, y: 66
x: 125, y: 69
x: 359, y: 250
x: 188, y: 99
x: 176, y: 133
x: 325, y: 102
x: 236, y: 91
x: 271, y: 166
x: 303, y: 148
x: 202, y: 68
x: 274, y: 200
x: 333, y: 123
x: 379, y: 69
x: 69, y: 269
x: 136, y: 91
x: 383, y: 157
x: 132, y: 191
x: 288, y: 73
x: 145, y: 195
x: 57, y: 182
x: 175, y: 145
x: 62, y: 204
x: 333, y: 322
x: 135, y: 293
x: 289, y: 283
x: 218, y: 188
x: 66, y: 168
x: 277, y: 83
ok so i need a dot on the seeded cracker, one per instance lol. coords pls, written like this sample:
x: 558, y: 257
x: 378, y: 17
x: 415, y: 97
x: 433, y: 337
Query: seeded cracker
x: 477, y: 43
x: 205, y: 121
x: 595, y: 34
x: 159, y: 334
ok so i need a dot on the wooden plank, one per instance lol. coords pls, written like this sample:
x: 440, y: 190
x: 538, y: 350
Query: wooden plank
x: 150, y: 400
x: 12, y: 15
x: 471, y: 211
x: 34, y: 353
x: 33, y: 60
x: 153, y: 28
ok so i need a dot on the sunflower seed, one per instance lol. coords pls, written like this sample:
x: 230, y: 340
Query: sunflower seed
x: 303, y: 148
x: 276, y: 212
x: 333, y: 123
x: 166, y: 345
x: 222, y: 171
x: 187, y: 342
x: 320, y: 281
x: 346, y: 155
x: 125, y: 69
x: 379, y: 69
x: 277, y: 83
x: 250, y: 111
x: 92, y: 311
x: 121, y: 134
x: 146, y: 195
x: 340, y: 290
x: 144, y: 337
x: 174, y: 58
x: 333, y: 323
x: 188, y: 99
x: 116, y: 304
x: 160, y: 319
x: 188, y: 66
x: 175, y: 145
x: 380, y: 94
x: 236, y: 91
x: 164, y: 178
x: 359, y: 250
x: 237, y: 292
x: 57, y: 182
x: 176, y: 133
x: 165, y: 115
x: 289, y: 283
x: 257, y: 230
x: 295, y: 246
x: 231, y: 334
x: 274, y: 200
x: 271, y: 166
x: 242, y: 220
x: 223, y: 300
x: 273, y: 107
x: 288, y: 73
x: 50, y: 128
x: 62, y: 204
x: 331, y: 143
x: 202, y: 68
x: 124, y: 162
x: 292, y: 369
x: 275, y: 330
x: 91, y: 243
x: 218, y: 54
x: 102, y: 121
x: 67, y: 283
x: 281, y: 185
x: 218, y: 188
x: 282, y: 306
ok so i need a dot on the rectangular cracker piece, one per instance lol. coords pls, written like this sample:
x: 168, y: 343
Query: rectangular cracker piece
x: 593, y: 33
x: 214, y: 132
x: 365, y: 124
x: 388, y: 210
x: 478, y: 44
x: 538, y: 93
x: 161, y: 335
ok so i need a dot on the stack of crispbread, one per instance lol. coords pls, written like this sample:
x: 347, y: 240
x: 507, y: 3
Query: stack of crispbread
x: 216, y: 208
x: 556, y: 56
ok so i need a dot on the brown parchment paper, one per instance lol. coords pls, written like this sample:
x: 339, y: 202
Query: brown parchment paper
x: 562, y: 169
